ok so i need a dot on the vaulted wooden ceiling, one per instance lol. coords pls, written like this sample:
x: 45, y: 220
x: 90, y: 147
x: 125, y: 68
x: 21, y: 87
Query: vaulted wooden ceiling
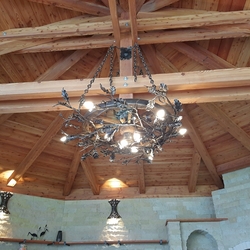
x: 199, y: 48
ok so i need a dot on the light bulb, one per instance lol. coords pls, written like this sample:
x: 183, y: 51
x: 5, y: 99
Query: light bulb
x: 63, y: 139
x: 123, y: 143
x: 137, y: 136
x: 89, y: 105
x: 182, y: 131
x: 134, y: 149
x: 160, y: 114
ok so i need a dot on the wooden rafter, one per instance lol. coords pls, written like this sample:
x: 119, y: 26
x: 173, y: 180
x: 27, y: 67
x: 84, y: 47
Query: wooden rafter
x: 89, y: 173
x: 227, y: 124
x: 62, y: 65
x: 199, y: 145
x: 196, y: 161
x: 141, y: 178
x: 154, y: 5
x: 72, y: 172
x: 201, y: 55
x: 37, y: 149
x: 81, y: 6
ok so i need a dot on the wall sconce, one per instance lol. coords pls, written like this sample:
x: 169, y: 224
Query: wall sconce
x: 114, y: 213
x: 5, y: 196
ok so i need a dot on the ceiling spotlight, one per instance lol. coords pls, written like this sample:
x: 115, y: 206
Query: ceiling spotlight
x: 125, y: 127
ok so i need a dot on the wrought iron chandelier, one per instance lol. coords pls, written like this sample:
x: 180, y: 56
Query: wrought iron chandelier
x: 126, y: 130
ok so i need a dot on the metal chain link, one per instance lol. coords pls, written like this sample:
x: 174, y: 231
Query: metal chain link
x: 110, y: 51
x: 136, y: 49
x: 135, y: 63
x: 144, y: 63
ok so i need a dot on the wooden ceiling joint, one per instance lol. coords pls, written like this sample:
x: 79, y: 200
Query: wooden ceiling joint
x: 199, y: 145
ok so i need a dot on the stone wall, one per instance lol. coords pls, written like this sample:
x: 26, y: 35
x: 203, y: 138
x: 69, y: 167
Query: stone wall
x: 142, y: 219
x: 233, y: 202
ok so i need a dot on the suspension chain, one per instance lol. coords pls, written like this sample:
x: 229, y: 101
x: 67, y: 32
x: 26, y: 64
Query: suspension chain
x: 144, y: 63
x: 110, y: 51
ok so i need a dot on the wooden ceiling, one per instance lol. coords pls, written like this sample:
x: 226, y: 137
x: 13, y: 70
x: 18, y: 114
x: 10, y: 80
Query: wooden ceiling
x: 199, y: 48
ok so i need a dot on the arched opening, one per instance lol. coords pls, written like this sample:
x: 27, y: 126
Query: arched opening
x: 201, y: 240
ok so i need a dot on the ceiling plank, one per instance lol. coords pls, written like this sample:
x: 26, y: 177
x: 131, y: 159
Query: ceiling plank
x: 166, y: 65
x: 72, y: 172
x: 234, y: 165
x: 124, y: 5
x: 196, y: 161
x: 139, y: 4
x: 199, y: 145
x: 141, y: 178
x: 199, y: 80
x: 145, y: 24
x: 227, y: 124
x: 4, y: 117
x: 154, y: 5
x: 186, y: 97
x: 150, y: 54
x: 62, y: 65
x: 80, y: 6
x: 201, y: 55
x: 37, y: 149
x: 88, y: 170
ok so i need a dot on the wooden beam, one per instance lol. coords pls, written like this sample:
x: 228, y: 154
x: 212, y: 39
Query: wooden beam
x: 215, y: 19
x: 150, y: 37
x: 62, y: 65
x: 199, y: 145
x: 115, y: 21
x: 88, y: 170
x: 186, y: 97
x: 153, y: 5
x: 13, y: 46
x: 198, y: 80
x: 196, y: 161
x: 234, y: 165
x: 227, y: 123
x: 141, y: 178
x: 133, y: 21
x: 72, y: 172
x: 37, y: 149
x: 80, y: 6
x: 201, y: 55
